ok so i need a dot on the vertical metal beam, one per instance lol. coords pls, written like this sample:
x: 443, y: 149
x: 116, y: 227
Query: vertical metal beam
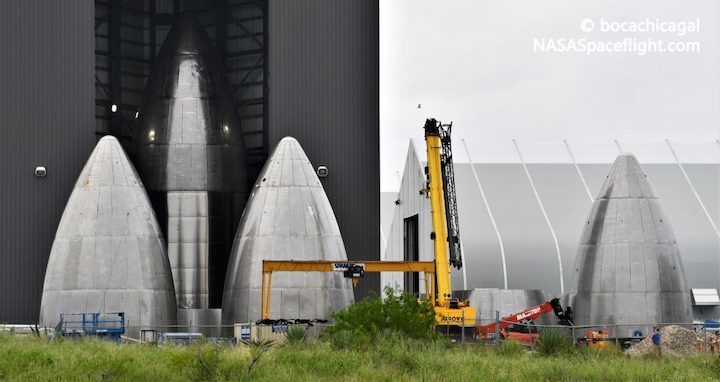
x: 577, y: 169
x: 545, y: 215
x: 490, y: 214
x: 115, y: 67
x: 692, y: 188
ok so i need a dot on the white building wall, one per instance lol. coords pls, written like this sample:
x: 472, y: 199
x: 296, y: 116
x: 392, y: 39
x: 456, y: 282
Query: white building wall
x: 411, y: 202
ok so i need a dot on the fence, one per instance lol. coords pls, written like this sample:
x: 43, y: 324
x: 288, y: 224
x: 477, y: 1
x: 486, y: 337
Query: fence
x: 624, y: 334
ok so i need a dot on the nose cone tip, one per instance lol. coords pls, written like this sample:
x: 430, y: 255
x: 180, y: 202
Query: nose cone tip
x: 108, y: 139
x: 186, y: 36
x: 289, y: 140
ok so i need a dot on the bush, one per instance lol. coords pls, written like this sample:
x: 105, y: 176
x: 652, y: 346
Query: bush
x: 510, y: 348
x: 553, y: 343
x: 403, y: 315
x: 296, y: 335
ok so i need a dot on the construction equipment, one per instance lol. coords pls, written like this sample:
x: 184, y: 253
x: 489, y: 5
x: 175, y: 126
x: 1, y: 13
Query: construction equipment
x: 440, y: 189
x: 520, y: 326
x: 353, y: 270
x: 101, y: 325
x: 597, y: 339
x: 451, y: 313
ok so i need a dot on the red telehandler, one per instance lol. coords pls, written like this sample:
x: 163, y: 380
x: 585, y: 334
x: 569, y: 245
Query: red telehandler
x: 520, y: 326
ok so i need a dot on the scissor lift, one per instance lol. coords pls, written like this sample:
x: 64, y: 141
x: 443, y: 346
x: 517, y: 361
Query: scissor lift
x: 108, y: 326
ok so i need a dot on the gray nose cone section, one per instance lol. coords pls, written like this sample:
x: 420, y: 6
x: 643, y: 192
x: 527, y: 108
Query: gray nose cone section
x: 108, y: 254
x: 288, y: 217
x: 190, y: 153
x: 188, y: 134
x: 629, y: 269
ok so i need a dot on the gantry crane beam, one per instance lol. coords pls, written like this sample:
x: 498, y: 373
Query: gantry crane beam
x: 270, y: 266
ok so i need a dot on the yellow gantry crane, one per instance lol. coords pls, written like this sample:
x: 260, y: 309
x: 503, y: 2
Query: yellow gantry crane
x: 351, y: 269
x: 440, y: 189
x: 450, y: 311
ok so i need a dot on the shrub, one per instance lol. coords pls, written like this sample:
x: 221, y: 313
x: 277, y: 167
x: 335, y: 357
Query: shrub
x: 553, y: 343
x: 296, y: 335
x: 371, y: 317
x: 510, y: 348
x: 257, y: 348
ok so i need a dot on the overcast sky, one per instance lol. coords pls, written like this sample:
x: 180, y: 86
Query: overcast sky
x: 476, y: 63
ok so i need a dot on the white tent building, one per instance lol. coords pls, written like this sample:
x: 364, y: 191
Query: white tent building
x: 537, y: 197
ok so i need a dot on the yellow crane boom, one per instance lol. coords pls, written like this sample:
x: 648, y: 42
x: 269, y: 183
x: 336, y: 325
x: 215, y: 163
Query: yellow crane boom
x: 440, y: 190
x: 439, y: 235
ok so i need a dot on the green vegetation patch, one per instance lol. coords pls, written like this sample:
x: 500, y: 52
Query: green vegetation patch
x: 390, y: 339
x: 388, y: 358
x: 395, y: 315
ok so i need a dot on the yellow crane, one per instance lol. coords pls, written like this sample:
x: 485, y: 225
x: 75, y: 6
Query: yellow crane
x: 450, y: 311
x: 440, y: 189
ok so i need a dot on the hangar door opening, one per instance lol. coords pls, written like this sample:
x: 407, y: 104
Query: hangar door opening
x: 411, y: 252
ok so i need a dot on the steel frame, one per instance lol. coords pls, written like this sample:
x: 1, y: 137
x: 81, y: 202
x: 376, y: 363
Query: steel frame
x: 270, y: 266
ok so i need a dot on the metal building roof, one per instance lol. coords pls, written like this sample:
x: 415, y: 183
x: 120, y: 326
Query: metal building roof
x: 531, y: 254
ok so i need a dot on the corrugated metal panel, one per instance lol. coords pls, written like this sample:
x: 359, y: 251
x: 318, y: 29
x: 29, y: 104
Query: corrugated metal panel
x: 46, y: 118
x: 324, y: 91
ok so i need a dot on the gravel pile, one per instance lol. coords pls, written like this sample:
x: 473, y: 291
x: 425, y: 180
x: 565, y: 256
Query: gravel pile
x: 675, y: 341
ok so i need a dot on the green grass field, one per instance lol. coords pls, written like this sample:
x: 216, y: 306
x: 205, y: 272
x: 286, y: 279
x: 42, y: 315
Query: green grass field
x: 27, y: 358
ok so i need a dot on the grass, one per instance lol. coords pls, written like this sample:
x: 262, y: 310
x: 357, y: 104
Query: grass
x: 386, y: 358
x: 296, y: 335
x: 555, y: 343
